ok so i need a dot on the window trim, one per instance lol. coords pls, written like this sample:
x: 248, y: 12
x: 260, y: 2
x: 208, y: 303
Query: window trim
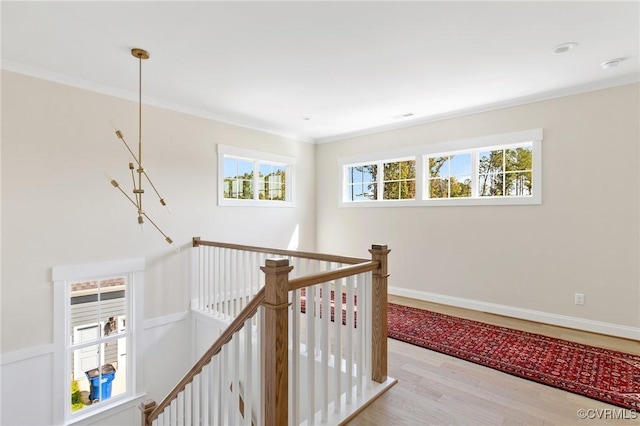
x: 256, y: 157
x: 421, y: 154
x: 62, y: 277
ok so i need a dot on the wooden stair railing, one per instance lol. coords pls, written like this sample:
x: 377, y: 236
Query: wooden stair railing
x: 274, y: 297
x: 151, y: 411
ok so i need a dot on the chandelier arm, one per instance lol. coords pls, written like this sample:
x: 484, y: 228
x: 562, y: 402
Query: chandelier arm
x: 159, y: 230
x: 128, y: 198
x: 133, y: 178
x: 130, y: 151
x: 152, y: 185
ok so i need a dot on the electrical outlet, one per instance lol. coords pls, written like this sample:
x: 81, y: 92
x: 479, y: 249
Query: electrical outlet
x: 579, y: 299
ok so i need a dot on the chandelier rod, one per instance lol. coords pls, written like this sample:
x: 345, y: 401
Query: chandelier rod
x: 140, y: 54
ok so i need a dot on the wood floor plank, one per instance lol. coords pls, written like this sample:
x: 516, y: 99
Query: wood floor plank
x: 437, y: 389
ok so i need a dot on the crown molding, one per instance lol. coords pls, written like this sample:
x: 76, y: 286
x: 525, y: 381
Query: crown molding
x: 252, y: 125
x: 66, y: 80
x: 560, y: 93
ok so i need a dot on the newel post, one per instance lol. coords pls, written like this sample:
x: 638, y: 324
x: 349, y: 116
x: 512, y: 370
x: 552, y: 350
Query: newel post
x: 379, y: 314
x: 147, y: 407
x: 275, y: 341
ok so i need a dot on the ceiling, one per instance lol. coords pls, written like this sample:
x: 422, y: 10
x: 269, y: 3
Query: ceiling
x: 321, y: 71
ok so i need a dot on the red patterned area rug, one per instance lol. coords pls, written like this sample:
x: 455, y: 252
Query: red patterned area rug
x: 605, y: 375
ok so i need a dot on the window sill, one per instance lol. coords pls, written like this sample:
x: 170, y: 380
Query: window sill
x: 255, y: 203
x: 450, y: 202
x: 115, y: 407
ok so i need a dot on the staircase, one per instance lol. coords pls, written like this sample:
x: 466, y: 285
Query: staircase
x: 287, y: 354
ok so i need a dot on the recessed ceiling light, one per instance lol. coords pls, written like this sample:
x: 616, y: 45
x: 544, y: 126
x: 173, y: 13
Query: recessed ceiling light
x: 565, y: 47
x: 612, y: 63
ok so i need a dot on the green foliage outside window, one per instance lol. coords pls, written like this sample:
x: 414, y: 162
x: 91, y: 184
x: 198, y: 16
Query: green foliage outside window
x: 76, y: 397
x: 239, y: 187
x: 505, y: 172
x: 446, y: 181
x: 273, y: 185
x: 398, y: 181
x: 239, y: 182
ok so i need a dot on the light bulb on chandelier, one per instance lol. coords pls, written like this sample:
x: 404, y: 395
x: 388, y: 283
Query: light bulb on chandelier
x: 140, y: 171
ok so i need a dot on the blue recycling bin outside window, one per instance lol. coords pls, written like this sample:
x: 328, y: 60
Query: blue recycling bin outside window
x: 100, y: 382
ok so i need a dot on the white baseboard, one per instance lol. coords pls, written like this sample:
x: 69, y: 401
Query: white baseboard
x: 526, y: 314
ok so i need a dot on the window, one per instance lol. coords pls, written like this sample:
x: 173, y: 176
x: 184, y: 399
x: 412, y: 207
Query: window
x: 497, y: 169
x: 449, y: 176
x: 252, y: 178
x: 96, y: 336
x: 485, y: 172
x: 505, y: 172
x: 382, y: 180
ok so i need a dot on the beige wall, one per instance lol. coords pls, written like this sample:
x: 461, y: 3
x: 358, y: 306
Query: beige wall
x: 583, y: 238
x: 58, y: 208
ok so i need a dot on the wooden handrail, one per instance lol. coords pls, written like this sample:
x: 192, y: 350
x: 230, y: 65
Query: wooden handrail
x: 335, y: 274
x: 235, y: 326
x: 303, y: 254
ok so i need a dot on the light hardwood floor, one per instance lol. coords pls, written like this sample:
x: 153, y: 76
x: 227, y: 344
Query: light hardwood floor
x: 436, y: 389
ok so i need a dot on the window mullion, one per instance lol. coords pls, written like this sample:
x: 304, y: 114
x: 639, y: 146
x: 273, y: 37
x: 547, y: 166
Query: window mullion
x: 379, y: 180
x: 504, y: 172
x: 256, y: 180
x: 475, y: 177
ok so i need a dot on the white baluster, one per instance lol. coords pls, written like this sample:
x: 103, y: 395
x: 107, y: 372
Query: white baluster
x: 294, y: 333
x: 312, y: 314
x: 368, y: 332
x: 205, y: 395
x: 188, y: 401
x: 324, y: 366
x: 350, y: 308
x: 248, y: 368
x: 337, y: 353
x: 260, y: 367
x: 233, y: 282
x: 196, y: 392
x: 199, y: 269
x: 179, y: 420
x: 236, y: 359
x: 224, y: 386
x: 361, y: 324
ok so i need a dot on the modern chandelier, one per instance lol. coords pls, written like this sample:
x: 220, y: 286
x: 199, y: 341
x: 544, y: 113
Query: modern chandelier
x: 138, y: 190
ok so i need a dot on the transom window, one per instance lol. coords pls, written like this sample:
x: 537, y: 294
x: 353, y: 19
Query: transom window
x: 248, y: 177
x: 498, y: 169
x: 494, y: 172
